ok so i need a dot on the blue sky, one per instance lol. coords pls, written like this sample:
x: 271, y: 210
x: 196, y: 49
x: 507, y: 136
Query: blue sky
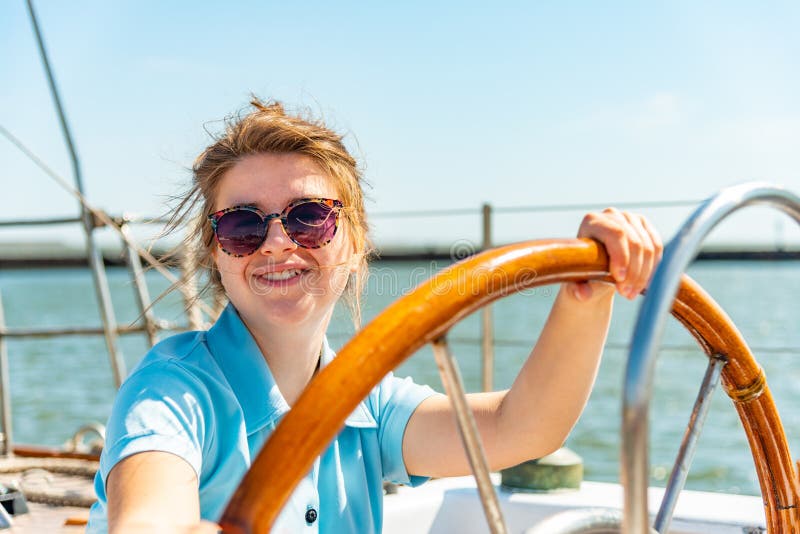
x: 446, y: 105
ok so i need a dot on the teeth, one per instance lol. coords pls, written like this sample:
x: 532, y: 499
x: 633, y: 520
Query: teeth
x: 282, y: 275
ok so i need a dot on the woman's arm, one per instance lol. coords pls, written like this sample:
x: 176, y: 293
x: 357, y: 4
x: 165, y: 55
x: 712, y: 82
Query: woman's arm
x: 154, y: 492
x: 535, y: 416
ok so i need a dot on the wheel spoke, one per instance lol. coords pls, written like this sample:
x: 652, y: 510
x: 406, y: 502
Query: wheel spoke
x: 454, y: 387
x: 677, y: 479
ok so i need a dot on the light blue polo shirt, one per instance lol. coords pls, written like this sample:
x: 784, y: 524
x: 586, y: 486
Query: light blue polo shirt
x: 209, y: 397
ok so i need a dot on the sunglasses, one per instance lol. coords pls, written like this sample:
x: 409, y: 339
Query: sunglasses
x: 308, y: 222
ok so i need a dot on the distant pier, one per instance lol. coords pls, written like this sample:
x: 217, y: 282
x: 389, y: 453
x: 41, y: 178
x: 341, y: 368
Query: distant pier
x: 48, y: 252
x: 112, y: 259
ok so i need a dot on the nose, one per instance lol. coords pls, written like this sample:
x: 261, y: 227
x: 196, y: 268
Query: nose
x: 276, y: 242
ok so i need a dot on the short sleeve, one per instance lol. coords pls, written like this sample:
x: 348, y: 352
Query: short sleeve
x: 397, y: 398
x: 160, y: 407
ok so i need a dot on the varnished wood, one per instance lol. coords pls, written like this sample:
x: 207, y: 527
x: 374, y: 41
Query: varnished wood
x: 431, y: 309
x: 36, y: 451
x: 744, y: 382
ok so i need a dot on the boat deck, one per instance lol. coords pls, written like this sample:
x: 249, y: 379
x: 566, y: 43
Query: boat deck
x: 58, y: 492
x: 49, y: 518
x: 452, y: 505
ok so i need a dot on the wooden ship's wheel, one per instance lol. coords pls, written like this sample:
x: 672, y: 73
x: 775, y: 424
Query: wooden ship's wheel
x: 426, y: 315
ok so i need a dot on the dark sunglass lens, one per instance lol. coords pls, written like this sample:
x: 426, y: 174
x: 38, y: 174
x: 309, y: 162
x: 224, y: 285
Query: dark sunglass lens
x: 311, y: 224
x: 240, y: 232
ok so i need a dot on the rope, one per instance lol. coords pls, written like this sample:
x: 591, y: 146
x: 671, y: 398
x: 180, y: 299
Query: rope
x: 62, y: 499
x: 53, y: 481
x: 63, y: 466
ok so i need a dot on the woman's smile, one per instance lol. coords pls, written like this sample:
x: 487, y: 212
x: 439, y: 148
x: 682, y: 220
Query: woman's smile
x: 279, y: 277
x: 280, y: 283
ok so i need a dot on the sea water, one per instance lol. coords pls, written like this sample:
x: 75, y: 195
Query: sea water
x: 58, y: 384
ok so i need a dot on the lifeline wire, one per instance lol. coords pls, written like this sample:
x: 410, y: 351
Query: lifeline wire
x: 104, y: 218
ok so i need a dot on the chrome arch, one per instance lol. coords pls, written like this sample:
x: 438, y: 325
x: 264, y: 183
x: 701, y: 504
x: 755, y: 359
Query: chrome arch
x: 638, y: 384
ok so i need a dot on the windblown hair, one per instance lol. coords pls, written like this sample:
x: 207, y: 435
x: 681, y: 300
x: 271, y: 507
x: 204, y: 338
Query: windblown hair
x: 268, y: 128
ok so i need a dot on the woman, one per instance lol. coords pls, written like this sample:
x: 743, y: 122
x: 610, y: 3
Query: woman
x: 282, y: 230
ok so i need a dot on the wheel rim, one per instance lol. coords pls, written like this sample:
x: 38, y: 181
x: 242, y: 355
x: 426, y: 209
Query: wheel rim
x: 419, y: 318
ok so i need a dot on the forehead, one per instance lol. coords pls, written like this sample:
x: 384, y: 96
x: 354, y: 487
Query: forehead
x: 271, y: 181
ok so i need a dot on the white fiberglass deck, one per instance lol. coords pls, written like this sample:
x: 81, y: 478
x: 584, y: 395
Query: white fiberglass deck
x: 452, y: 505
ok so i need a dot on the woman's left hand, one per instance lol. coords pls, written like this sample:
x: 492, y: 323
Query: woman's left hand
x: 634, y: 248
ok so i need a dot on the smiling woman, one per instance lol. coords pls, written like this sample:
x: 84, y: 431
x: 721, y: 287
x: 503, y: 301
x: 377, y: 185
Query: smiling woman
x: 276, y: 218
x: 257, y: 283
x: 236, y: 166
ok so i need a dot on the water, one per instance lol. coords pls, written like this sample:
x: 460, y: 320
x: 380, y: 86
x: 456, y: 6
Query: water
x: 59, y: 384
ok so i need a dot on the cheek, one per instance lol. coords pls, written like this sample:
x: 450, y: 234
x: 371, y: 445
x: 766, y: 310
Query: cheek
x: 335, y: 269
x: 228, y: 267
x: 224, y: 277
x: 339, y: 279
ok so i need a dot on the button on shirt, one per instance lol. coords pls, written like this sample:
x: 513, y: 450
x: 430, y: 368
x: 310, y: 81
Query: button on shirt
x: 209, y: 397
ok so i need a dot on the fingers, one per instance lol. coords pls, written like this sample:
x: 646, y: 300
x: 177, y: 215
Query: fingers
x: 581, y: 291
x: 645, y: 254
x: 610, y: 230
x: 204, y: 527
x: 655, y: 238
x: 633, y: 245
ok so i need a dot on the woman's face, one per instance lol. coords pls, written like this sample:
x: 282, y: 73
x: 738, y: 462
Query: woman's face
x: 281, y: 283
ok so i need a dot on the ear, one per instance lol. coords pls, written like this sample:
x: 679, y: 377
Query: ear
x: 356, y: 256
x: 354, y: 261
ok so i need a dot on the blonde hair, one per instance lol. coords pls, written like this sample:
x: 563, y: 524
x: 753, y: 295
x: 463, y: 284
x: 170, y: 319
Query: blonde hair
x: 268, y: 128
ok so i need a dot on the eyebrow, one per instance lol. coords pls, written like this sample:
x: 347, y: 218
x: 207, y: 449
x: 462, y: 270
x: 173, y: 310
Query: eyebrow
x: 254, y: 204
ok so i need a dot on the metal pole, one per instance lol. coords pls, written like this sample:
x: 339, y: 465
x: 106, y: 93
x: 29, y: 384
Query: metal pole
x: 93, y: 252
x: 677, y: 479
x: 40, y: 333
x: 487, y: 329
x: 454, y: 387
x: 5, y: 392
x: 142, y: 294
x: 37, y: 222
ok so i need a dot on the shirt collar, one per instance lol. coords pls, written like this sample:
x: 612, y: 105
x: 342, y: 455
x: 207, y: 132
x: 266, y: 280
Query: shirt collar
x: 362, y: 415
x: 248, y: 374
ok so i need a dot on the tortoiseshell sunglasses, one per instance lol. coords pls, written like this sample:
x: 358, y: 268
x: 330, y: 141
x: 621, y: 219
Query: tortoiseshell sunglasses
x: 308, y: 222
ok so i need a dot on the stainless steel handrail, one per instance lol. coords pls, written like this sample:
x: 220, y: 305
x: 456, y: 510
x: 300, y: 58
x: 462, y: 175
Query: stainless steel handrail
x: 142, y: 293
x: 638, y: 385
x: 40, y: 222
x: 66, y: 331
x: 93, y: 251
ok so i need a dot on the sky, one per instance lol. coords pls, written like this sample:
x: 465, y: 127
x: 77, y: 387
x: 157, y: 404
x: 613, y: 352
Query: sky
x: 447, y: 105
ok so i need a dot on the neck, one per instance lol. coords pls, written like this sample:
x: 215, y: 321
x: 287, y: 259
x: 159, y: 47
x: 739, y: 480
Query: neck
x: 292, y: 354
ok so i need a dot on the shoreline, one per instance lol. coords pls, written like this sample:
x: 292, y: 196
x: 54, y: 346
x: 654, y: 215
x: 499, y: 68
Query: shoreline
x: 392, y: 254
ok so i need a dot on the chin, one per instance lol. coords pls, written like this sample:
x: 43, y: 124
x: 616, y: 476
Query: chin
x: 283, y: 312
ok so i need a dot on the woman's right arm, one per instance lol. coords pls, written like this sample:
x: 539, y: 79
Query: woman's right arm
x: 154, y: 492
